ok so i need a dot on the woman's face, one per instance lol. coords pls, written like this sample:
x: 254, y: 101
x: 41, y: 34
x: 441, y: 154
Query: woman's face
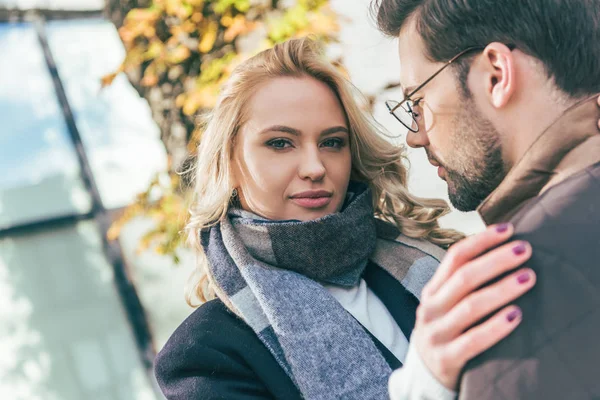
x: 292, y: 157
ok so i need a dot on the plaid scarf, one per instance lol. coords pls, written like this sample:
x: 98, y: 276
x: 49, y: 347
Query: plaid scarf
x: 271, y: 274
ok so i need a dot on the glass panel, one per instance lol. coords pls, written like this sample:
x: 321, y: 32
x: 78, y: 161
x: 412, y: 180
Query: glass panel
x: 63, y: 331
x: 40, y: 172
x: 159, y: 282
x: 121, y: 139
x: 87, y: 5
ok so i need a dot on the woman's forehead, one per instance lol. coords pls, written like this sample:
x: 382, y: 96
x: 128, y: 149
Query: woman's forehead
x: 295, y: 101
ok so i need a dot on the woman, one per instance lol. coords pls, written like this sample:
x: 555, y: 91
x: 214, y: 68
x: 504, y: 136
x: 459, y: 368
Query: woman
x: 318, y: 255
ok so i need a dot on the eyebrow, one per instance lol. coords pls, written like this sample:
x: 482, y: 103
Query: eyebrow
x: 296, y: 132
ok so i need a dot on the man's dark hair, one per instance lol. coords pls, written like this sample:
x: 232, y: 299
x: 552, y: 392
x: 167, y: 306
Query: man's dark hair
x: 563, y: 34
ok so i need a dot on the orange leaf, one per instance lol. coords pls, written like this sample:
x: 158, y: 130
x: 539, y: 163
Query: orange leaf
x: 107, y: 80
x: 149, y: 79
x: 239, y: 26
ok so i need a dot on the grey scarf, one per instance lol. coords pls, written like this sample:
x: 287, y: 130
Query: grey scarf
x: 270, y: 273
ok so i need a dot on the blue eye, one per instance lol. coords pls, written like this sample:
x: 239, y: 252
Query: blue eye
x: 334, y: 143
x: 279, y: 144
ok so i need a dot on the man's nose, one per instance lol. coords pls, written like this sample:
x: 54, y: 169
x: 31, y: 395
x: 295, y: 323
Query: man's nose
x: 417, y: 139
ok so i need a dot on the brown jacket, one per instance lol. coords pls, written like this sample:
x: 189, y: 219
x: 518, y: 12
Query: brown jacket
x: 552, y: 196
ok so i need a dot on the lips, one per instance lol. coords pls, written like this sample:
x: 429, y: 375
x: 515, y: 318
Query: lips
x: 434, y: 163
x: 442, y: 173
x: 431, y: 158
x: 311, y: 194
x: 312, y: 198
x: 440, y: 170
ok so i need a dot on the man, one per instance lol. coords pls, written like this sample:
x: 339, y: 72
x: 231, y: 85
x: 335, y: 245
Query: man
x: 501, y: 94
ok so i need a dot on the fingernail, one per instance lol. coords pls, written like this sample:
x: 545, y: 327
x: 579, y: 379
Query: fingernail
x: 520, y: 249
x: 514, y: 314
x: 524, y: 277
x: 502, y: 228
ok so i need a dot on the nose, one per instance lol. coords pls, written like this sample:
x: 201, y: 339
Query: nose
x: 417, y: 139
x: 311, y: 166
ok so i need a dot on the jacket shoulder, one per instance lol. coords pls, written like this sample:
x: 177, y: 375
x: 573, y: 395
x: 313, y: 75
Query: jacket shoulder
x: 204, y: 357
x: 211, y: 324
x: 565, y: 211
x: 213, y: 355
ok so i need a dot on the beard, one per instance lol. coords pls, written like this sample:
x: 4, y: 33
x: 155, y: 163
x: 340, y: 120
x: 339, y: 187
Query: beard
x: 474, y: 166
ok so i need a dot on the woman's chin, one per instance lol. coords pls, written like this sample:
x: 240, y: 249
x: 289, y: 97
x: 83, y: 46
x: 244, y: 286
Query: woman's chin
x: 308, y: 214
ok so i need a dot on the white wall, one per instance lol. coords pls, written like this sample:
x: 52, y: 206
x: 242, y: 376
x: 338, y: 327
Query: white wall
x: 373, y: 63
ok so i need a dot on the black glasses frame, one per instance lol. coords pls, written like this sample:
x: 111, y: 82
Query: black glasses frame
x: 393, y: 107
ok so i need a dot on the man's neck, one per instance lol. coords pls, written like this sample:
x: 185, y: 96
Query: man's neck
x: 527, y: 121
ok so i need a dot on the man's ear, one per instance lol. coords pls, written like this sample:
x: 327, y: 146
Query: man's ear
x: 498, y: 67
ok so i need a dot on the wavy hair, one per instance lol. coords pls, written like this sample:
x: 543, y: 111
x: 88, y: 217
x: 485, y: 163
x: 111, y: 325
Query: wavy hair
x: 375, y: 160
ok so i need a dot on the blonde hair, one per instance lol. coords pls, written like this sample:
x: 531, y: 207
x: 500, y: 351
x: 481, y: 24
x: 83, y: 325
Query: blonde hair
x: 375, y: 160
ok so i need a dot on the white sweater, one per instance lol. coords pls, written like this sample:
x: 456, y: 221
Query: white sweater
x: 411, y: 382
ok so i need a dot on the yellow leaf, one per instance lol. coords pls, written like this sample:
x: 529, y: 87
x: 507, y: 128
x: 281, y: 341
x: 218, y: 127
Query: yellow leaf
x: 127, y: 34
x: 150, y: 76
x: 190, y: 106
x: 175, y: 31
x: 139, y: 15
x: 155, y: 48
x: 238, y: 27
x: 172, y: 6
x: 197, y: 17
x: 149, y: 80
x: 113, y: 232
x: 178, y: 55
x: 185, y: 11
x: 180, y: 100
x: 107, y: 80
x: 226, y: 20
x: 205, y: 97
x: 150, y: 32
x: 188, y: 26
x: 242, y: 5
x: 209, y: 37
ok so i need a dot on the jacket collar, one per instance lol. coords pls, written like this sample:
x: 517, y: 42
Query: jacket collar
x: 401, y: 304
x: 569, y: 145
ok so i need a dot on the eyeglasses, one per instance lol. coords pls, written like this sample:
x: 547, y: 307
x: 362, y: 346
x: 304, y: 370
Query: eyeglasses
x: 404, y: 110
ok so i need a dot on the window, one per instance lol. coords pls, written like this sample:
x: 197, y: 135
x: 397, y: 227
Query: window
x: 72, y: 324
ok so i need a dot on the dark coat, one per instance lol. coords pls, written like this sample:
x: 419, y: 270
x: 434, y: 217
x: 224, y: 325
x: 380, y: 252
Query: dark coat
x: 215, y: 355
x: 553, y: 199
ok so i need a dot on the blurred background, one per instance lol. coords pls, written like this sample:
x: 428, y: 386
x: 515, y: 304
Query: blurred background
x: 98, y: 104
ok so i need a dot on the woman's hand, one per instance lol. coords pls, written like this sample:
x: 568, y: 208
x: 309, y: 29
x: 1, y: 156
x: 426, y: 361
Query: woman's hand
x: 453, y: 301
